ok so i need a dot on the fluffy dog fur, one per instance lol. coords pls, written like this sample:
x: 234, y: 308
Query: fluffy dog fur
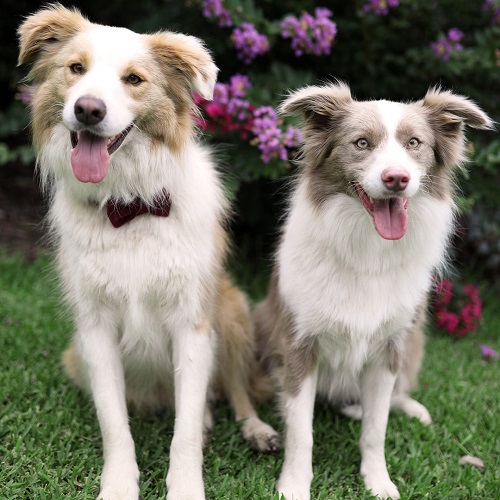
x: 157, y: 321
x: 368, y: 224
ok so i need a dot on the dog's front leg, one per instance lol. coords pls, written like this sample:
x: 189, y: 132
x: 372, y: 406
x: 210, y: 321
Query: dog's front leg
x: 298, y: 407
x: 377, y: 382
x: 194, y: 352
x: 101, y: 358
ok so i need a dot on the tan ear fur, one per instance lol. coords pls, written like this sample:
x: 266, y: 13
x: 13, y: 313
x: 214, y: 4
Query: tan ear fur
x: 189, y: 56
x: 45, y: 29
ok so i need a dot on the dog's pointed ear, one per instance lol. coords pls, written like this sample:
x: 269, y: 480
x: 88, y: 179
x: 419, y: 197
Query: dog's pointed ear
x: 44, y: 29
x: 189, y: 55
x: 317, y: 105
x: 448, y: 114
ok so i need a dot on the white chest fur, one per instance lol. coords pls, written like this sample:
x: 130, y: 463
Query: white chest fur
x: 349, y: 287
x: 149, y: 277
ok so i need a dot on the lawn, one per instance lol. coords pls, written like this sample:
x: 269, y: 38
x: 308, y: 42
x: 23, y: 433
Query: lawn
x: 50, y: 444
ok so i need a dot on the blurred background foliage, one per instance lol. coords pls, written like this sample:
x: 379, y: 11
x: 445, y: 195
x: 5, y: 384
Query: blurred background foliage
x: 381, y: 56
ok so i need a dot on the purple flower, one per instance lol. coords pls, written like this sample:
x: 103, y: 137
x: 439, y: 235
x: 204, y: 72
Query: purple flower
x: 293, y: 137
x: 494, y: 7
x: 380, y: 7
x: 268, y: 135
x: 221, y: 93
x: 238, y: 84
x: 25, y: 94
x: 455, y: 35
x: 310, y: 35
x: 447, y: 44
x: 230, y: 111
x: 213, y: 9
x: 488, y: 352
x: 249, y: 42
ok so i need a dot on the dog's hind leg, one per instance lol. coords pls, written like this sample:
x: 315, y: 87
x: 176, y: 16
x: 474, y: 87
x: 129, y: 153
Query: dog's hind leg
x: 194, y: 357
x: 411, y: 407
x: 239, y: 373
x: 260, y: 435
x: 100, y: 358
x: 408, y: 373
x: 401, y: 402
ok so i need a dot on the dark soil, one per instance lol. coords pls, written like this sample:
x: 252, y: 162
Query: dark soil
x: 22, y: 209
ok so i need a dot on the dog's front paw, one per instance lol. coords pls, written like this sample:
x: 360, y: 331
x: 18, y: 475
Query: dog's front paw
x: 182, y: 486
x: 119, y: 492
x: 261, y: 436
x: 185, y: 492
x: 382, y: 488
x: 292, y: 489
x: 119, y: 481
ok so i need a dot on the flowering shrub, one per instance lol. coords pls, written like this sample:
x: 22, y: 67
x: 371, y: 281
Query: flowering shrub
x: 213, y: 9
x: 249, y: 43
x: 493, y: 6
x: 457, y: 309
x: 310, y: 34
x: 382, y: 48
x: 380, y: 7
x: 230, y: 111
x: 446, y: 45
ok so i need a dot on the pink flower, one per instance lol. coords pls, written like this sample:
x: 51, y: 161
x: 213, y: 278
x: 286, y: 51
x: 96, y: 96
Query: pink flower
x: 457, y: 309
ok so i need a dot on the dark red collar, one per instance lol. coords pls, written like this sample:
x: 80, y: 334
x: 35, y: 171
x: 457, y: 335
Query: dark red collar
x: 120, y: 213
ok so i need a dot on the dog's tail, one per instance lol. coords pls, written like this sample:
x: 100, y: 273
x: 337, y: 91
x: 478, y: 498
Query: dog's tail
x: 239, y: 373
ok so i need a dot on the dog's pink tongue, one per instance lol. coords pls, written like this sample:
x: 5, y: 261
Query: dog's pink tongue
x: 90, y: 157
x: 390, y: 218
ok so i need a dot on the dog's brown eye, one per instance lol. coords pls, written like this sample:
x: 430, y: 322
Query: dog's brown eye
x: 413, y: 143
x: 362, y: 143
x: 76, y: 68
x: 134, y: 79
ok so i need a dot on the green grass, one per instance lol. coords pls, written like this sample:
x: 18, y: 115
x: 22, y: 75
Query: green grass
x: 50, y: 444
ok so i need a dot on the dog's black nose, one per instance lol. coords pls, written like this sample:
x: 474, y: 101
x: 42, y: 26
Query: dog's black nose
x: 90, y: 110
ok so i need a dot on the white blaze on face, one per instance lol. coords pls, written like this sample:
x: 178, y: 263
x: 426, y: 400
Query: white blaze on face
x: 389, y: 208
x: 108, y: 56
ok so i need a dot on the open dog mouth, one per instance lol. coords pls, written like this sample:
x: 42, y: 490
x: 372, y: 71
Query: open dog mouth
x: 390, y: 215
x: 90, y: 154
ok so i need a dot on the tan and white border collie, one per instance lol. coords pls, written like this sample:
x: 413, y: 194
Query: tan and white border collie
x: 368, y: 223
x: 137, y: 211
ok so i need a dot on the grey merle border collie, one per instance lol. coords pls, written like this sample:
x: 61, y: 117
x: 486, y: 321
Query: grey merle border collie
x: 368, y: 223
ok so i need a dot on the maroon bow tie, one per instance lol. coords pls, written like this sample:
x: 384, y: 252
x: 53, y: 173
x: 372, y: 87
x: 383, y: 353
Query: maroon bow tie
x: 120, y: 213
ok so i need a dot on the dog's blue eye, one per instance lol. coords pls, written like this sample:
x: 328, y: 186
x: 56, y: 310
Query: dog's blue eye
x: 413, y: 142
x: 362, y: 143
x: 76, y: 68
x: 134, y: 79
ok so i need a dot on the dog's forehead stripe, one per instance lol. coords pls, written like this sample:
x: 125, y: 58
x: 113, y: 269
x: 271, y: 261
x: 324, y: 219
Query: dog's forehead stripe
x: 116, y: 48
x: 391, y: 114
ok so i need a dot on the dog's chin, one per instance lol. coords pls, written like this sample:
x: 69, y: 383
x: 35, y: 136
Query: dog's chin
x: 390, y: 216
